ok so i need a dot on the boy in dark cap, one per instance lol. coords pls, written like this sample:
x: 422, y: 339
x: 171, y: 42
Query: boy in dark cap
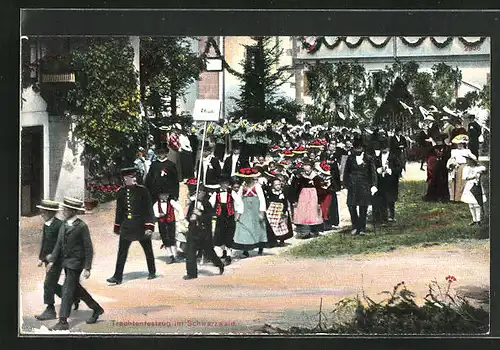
x: 134, y: 221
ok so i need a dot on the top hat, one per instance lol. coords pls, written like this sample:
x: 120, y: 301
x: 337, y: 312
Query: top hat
x: 128, y: 171
x: 357, y: 143
x: 48, y: 205
x: 73, y: 203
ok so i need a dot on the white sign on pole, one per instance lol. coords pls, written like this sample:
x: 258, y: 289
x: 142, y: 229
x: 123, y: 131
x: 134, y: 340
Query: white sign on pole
x: 207, y: 110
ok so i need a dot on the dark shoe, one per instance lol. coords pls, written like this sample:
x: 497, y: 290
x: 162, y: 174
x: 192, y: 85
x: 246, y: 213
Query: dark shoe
x: 77, y: 304
x: 188, y: 277
x: 246, y: 254
x: 227, y: 260
x: 221, y: 269
x: 60, y: 326
x: 151, y: 276
x: 170, y: 259
x: 48, y: 314
x: 224, y: 254
x: 95, y: 315
x: 261, y: 250
x: 114, y: 280
x: 180, y: 255
x: 472, y: 223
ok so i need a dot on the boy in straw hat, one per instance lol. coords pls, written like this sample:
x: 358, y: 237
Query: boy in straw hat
x: 48, y: 210
x: 74, y: 249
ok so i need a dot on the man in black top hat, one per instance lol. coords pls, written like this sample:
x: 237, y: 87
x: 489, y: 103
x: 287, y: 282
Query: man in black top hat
x: 162, y: 176
x: 134, y: 221
x: 474, y: 131
x: 75, y: 252
x: 234, y: 162
x: 360, y: 179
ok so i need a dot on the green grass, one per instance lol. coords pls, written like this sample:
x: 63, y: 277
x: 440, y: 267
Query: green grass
x: 418, y: 223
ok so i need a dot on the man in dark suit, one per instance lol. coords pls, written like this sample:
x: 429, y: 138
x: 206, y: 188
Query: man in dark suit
x: 199, y: 236
x: 360, y: 179
x: 210, y: 170
x: 162, y: 176
x: 398, y: 145
x: 74, y: 249
x: 134, y: 221
x: 48, y: 210
x: 474, y: 131
x: 234, y: 162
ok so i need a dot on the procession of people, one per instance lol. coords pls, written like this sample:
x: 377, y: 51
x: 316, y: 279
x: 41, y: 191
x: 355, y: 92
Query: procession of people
x: 256, y: 197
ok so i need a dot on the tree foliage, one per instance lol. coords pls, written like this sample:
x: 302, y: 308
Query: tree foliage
x: 445, y: 80
x: 168, y: 67
x: 259, y: 97
x: 104, y: 101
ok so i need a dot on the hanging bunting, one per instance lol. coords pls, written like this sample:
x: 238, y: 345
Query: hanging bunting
x: 443, y: 44
x: 415, y: 43
x: 383, y: 43
x: 471, y: 42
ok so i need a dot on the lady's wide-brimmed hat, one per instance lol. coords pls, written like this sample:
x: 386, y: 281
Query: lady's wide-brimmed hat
x: 287, y: 153
x: 317, y: 144
x: 48, y: 205
x: 323, y: 168
x: 460, y: 139
x: 272, y: 173
x: 275, y: 148
x: 299, y: 150
x: 248, y: 172
x: 73, y: 203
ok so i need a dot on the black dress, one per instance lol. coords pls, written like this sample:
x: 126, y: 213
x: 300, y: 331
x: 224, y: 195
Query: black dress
x: 438, y: 189
x: 225, y: 224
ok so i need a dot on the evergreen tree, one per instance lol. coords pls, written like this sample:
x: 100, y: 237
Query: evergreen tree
x: 259, y: 97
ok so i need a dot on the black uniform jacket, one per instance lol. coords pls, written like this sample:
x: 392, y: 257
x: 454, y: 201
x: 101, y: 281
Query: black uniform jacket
x: 49, y: 239
x: 134, y: 213
x: 74, y: 246
x: 162, y: 177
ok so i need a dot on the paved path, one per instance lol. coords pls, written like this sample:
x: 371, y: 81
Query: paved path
x: 272, y: 288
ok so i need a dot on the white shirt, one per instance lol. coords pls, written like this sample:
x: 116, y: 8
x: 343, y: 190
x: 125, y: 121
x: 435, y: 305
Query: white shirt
x: 238, y: 202
x: 385, y: 157
x: 234, y: 159
x: 71, y: 220
x: 177, y: 207
x: 49, y: 222
x: 359, y: 159
x: 185, y: 143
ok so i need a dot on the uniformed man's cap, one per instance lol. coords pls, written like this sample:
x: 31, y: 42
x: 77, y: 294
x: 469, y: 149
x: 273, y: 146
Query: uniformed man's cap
x: 128, y: 171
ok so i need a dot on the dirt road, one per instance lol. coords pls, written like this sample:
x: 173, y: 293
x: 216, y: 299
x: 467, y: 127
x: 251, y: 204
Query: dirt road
x: 271, y: 288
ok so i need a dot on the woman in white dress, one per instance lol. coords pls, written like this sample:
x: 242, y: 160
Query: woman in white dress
x: 455, y: 166
x: 472, y: 177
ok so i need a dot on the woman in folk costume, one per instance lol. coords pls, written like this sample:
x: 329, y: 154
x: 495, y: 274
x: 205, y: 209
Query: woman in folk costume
x: 329, y: 203
x: 279, y: 224
x: 455, y: 166
x: 307, y: 211
x: 437, y: 172
x: 250, y: 230
x: 226, y: 203
x: 164, y: 210
x: 473, y: 193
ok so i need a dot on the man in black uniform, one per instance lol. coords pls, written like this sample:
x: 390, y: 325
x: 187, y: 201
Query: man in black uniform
x: 133, y: 222
x: 74, y: 249
x: 234, y: 162
x: 48, y: 210
x: 200, y: 234
x: 162, y: 176
x: 474, y: 132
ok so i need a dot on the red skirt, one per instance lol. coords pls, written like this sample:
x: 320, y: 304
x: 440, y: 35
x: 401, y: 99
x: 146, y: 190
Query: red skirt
x: 325, y: 205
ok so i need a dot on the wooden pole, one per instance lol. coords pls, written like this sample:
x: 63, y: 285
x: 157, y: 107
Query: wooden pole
x: 201, y: 163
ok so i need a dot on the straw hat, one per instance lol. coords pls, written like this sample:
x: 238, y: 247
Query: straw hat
x: 48, y: 205
x: 299, y: 150
x: 287, y: 153
x: 73, y: 203
x: 460, y: 139
x: 323, y: 168
x: 248, y: 172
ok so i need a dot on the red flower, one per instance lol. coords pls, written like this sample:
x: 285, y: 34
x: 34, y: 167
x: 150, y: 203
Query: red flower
x: 192, y: 181
x: 450, y: 278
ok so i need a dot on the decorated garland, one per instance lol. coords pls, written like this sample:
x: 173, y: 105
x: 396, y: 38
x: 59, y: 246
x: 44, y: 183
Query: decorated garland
x: 443, y: 44
x: 473, y: 43
x: 314, y: 46
x: 410, y: 44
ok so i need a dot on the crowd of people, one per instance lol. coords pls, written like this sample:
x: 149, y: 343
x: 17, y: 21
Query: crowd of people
x: 255, y: 197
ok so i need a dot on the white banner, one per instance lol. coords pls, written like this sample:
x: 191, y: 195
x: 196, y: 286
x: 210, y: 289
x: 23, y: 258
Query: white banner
x: 207, y: 110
